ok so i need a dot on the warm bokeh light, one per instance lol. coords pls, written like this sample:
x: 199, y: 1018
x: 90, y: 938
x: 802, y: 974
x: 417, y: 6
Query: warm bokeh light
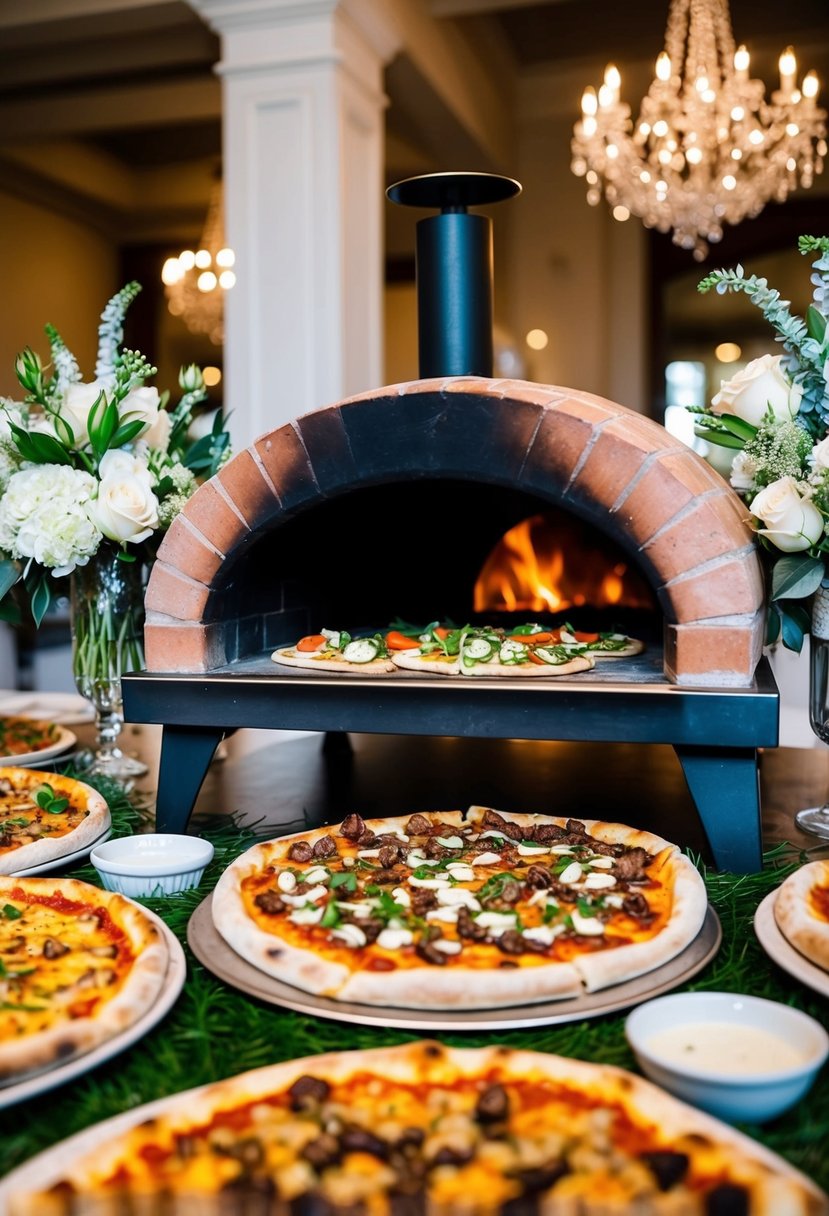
x: 727, y: 352
x: 206, y: 280
x: 212, y: 376
x: 536, y: 339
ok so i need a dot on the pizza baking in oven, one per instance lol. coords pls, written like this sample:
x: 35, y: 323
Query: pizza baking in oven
x: 801, y: 909
x: 416, y: 1129
x: 490, y: 652
x: 336, y: 650
x: 77, y: 966
x: 44, y: 816
x: 451, y: 911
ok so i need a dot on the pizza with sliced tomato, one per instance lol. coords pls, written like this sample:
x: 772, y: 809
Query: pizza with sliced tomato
x: 45, y: 816
x: 419, y: 1128
x: 77, y: 966
x: 471, y: 650
x: 452, y: 910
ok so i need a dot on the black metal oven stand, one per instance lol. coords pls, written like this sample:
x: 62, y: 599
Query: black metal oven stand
x: 715, y: 731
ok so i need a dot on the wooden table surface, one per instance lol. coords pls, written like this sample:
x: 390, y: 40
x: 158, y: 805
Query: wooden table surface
x: 299, y: 781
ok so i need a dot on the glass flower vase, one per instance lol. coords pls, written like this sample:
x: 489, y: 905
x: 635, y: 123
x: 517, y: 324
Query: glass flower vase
x: 107, y: 615
x: 815, y: 819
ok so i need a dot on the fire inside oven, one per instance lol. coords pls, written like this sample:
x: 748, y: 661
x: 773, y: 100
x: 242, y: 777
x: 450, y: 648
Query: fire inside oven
x: 444, y: 550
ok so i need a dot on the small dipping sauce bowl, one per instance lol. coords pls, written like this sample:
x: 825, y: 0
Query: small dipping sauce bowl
x: 738, y: 1057
x: 159, y: 863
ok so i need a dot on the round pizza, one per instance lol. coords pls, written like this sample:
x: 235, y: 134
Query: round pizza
x: 77, y: 966
x: 801, y: 910
x: 449, y: 910
x: 414, y: 1129
x: 484, y: 651
x: 335, y: 650
x: 44, y: 816
x: 22, y: 736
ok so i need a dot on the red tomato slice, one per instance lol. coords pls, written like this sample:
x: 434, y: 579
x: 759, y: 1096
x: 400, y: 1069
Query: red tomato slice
x: 314, y: 641
x: 399, y: 641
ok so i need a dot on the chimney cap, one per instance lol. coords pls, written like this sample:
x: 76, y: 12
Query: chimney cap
x: 453, y: 191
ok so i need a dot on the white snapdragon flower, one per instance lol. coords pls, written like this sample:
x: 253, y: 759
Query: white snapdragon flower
x: 791, y: 521
x: 126, y: 508
x: 44, y: 515
x: 743, y: 472
x: 762, y: 384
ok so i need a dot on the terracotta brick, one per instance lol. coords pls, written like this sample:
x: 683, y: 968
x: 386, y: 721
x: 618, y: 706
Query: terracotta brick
x: 478, y: 385
x: 672, y: 481
x: 523, y: 390
x: 622, y: 446
x: 214, y: 517
x: 732, y: 588
x: 710, y: 530
x: 249, y: 488
x: 182, y: 647
x: 433, y: 385
x: 187, y: 550
x: 175, y: 594
x: 566, y: 430
x: 716, y: 654
x: 286, y: 463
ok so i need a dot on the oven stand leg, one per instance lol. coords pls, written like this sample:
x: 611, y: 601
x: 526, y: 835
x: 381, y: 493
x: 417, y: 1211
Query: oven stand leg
x: 186, y: 753
x: 725, y: 785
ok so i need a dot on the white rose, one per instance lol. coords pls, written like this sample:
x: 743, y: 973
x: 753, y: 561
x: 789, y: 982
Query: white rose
x: 118, y: 463
x: 141, y: 403
x: 761, y: 384
x: 743, y: 471
x: 126, y: 508
x: 819, y: 457
x: 78, y: 400
x: 791, y: 522
x: 158, y: 436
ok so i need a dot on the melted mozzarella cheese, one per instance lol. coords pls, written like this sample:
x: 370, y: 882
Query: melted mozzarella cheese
x: 571, y: 875
x: 351, y: 935
x: 395, y: 939
x: 587, y: 926
x: 485, y: 859
x: 599, y: 882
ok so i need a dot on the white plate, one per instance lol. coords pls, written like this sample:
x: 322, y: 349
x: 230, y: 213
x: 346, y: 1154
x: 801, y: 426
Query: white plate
x: 68, y: 859
x: 29, y: 1087
x: 217, y: 956
x: 780, y: 952
x: 64, y: 741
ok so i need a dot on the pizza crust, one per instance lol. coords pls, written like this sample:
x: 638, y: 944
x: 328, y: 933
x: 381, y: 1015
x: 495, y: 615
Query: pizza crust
x: 795, y: 919
x: 634, y: 646
x: 579, y: 662
x: 429, y: 664
x: 95, y: 823
x: 289, y: 657
x: 141, y: 986
x: 86, y: 1159
x: 457, y: 987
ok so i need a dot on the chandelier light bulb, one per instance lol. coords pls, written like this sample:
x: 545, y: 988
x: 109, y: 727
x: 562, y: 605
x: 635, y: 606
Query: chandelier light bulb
x: 663, y: 66
x: 707, y: 147
x: 203, y: 258
x: 225, y: 257
x: 206, y: 281
x: 191, y: 280
x: 227, y: 279
x: 171, y: 272
x: 187, y: 260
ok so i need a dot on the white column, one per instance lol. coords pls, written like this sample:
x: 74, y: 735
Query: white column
x: 303, y: 178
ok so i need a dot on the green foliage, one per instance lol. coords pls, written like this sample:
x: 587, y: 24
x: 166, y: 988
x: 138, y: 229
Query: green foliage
x: 796, y: 576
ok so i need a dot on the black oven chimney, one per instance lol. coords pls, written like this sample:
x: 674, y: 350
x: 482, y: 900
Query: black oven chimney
x: 454, y: 269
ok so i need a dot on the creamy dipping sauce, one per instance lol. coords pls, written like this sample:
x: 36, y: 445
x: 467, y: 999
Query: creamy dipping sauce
x: 725, y: 1047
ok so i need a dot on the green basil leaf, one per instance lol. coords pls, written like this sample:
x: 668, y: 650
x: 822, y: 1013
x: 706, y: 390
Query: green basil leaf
x: 10, y: 912
x: 331, y: 918
x: 349, y: 881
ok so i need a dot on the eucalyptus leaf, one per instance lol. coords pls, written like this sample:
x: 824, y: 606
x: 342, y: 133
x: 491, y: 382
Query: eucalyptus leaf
x: 815, y: 323
x: 796, y: 576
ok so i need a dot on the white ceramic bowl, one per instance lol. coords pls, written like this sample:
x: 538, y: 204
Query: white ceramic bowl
x: 159, y: 863
x: 712, y: 1075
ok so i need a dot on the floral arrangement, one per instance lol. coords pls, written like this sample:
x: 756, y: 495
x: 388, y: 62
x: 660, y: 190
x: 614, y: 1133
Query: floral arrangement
x: 84, y: 465
x: 775, y: 413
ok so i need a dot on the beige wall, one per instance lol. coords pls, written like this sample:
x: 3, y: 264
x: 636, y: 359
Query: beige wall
x: 54, y: 270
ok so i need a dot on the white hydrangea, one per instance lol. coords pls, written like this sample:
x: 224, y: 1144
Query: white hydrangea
x: 44, y: 515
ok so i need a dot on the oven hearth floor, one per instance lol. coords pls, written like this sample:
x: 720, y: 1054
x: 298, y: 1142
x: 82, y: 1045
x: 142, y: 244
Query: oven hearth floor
x: 714, y: 731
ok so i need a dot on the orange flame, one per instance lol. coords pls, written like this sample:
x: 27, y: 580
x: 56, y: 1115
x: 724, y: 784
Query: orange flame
x: 541, y: 567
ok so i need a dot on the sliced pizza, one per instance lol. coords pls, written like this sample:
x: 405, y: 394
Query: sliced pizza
x: 419, y: 1128
x: 44, y: 816
x: 79, y: 965
x: 449, y: 910
x: 801, y: 909
x: 336, y: 650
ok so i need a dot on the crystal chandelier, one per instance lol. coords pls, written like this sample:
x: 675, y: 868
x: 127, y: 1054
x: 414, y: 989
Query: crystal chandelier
x: 707, y: 148
x: 195, y: 282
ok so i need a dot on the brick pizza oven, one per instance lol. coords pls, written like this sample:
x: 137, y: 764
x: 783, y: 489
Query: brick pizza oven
x: 218, y: 592
x: 390, y: 503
